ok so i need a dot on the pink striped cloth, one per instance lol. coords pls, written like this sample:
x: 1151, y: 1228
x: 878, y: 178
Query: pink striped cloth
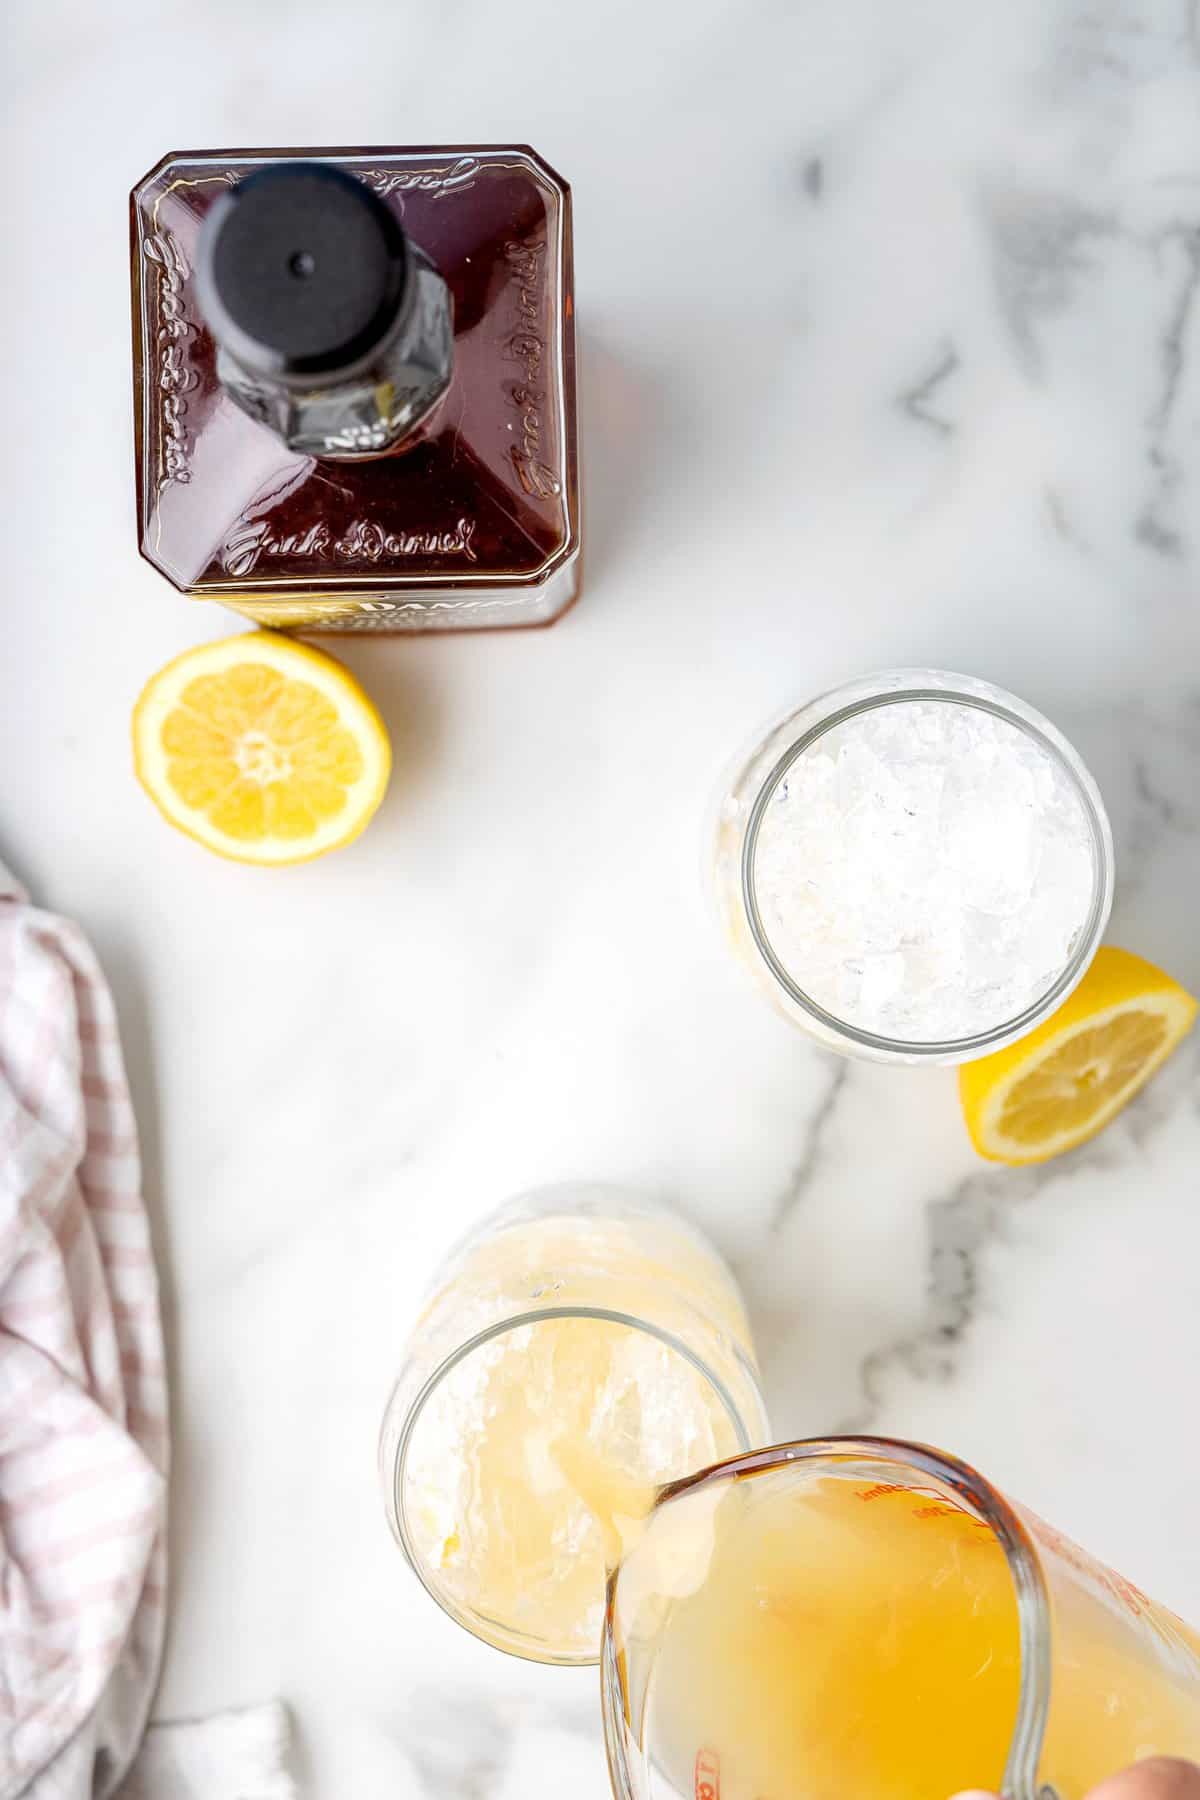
x: 83, y: 1405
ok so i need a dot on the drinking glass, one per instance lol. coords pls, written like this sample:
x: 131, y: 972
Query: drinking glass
x: 581, y: 1347
x: 759, y: 776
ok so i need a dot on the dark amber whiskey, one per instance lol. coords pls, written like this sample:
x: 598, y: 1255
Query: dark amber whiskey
x: 307, y: 514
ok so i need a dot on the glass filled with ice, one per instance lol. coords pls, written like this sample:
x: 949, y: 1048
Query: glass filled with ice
x: 916, y: 867
x: 579, y: 1350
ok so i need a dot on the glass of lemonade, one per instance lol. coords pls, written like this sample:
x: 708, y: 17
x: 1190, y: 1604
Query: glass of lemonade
x: 861, y: 1617
x: 580, y: 1349
x: 916, y: 867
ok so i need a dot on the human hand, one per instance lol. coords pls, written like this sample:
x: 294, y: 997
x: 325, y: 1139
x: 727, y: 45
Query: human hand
x: 1160, y: 1778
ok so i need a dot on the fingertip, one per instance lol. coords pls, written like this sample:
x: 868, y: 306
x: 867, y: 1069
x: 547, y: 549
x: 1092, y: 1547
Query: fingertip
x: 1158, y: 1778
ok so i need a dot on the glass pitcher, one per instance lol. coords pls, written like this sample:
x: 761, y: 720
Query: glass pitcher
x: 861, y: 1617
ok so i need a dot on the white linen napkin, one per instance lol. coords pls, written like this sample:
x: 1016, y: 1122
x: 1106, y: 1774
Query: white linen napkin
x: 231, y: 1756
x: 83, y: 1413
x: 83, y: 1399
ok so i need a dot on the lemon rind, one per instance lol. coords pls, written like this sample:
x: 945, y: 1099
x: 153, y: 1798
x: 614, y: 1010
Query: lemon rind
x: 1172, y: 1004
x: 293, y: 660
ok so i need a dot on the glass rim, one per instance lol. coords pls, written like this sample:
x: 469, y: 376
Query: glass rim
x: 984, y: 1500
x: 1065, y: 756
x: 393, y: 1478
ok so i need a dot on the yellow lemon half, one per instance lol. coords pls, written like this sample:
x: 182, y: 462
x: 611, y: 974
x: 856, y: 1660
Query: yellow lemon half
x: 261, y: 749
x: 1064, y: 1082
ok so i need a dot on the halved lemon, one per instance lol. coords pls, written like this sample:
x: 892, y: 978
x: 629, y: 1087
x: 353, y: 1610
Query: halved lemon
x: 1064, y: 1082
x: 261, y: 749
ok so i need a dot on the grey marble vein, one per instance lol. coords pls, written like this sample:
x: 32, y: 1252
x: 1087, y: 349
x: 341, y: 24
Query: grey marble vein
x: 1154, y: 800
x: 1041, y: 251
x: 961, y: 1225
x: 1149, y: 795
x: 958, y: 1227
x: 812, y: 1149
x: 1150, y: 528
x: 1119, y: 42
x: 1061, y: 522
x: 915, y: 401
x: 1172, y: 350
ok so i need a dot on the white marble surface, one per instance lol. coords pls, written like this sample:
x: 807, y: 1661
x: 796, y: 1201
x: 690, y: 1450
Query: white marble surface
x: 891, y: 349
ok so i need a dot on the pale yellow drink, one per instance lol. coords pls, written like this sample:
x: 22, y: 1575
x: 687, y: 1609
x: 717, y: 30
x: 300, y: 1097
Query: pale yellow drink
x: 602, y: 1350
x: 811, y: 1639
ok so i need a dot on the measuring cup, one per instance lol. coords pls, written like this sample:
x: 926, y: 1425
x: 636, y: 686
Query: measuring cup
x: 854, y: 1616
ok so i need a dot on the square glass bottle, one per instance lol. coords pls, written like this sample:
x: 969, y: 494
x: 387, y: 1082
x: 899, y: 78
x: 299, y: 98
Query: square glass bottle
x: 354, y: 385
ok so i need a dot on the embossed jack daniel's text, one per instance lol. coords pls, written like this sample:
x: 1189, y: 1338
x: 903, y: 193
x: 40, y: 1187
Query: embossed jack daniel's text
x: 363, y: 543
x: 527, y: 347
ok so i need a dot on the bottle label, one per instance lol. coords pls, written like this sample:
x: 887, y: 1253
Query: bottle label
x: 392, y: 612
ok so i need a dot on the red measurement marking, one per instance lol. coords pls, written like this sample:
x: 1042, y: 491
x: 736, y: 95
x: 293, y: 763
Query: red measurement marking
x: 708, y: 1775
x: 941, y: 1507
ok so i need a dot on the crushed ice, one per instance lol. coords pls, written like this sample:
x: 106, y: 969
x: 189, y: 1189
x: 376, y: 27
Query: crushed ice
x: 925, y: 870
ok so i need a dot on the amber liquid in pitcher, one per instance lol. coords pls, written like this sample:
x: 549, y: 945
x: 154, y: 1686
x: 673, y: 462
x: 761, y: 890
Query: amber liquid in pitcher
x: 779, y: 1635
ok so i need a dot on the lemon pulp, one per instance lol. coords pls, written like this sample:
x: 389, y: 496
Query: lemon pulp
x: 261, y: 748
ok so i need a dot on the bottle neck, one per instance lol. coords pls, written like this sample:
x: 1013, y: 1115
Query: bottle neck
x: 376, y: 406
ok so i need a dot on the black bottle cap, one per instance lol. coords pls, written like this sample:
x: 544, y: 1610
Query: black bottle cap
x: 301, y: 271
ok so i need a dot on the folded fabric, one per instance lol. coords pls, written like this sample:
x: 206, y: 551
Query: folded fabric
x: 83, y: 1405
x: 230, y: 1756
